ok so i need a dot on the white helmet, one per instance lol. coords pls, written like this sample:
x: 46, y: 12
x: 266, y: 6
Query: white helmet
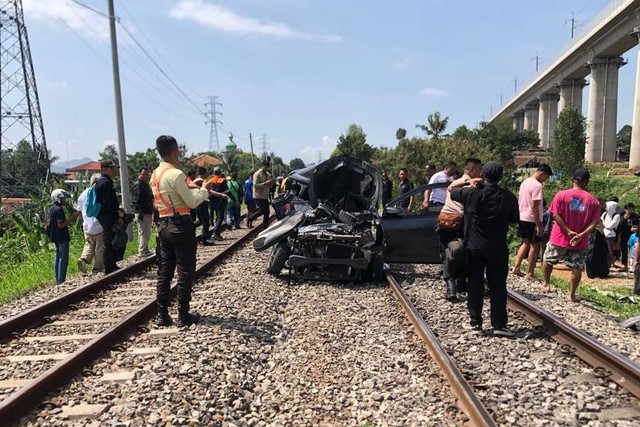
x: 60, y: 195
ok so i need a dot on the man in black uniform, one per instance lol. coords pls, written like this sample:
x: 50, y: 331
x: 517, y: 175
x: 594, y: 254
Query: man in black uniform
x: 109, y: 212
x: 488, y: 211
x: 404, y: 187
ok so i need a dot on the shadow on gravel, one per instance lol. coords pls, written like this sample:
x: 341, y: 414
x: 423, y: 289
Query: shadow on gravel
x: 265, y: 332
x: 360, y: 286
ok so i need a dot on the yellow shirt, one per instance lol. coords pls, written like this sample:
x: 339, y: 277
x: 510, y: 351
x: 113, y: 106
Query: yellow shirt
x: 171, y: 195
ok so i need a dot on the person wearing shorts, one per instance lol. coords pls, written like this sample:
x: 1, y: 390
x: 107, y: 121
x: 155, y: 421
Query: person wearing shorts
x: 530, y: 228
x: 576, y: 213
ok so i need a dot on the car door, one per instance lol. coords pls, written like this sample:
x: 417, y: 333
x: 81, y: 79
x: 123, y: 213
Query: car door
x: 410, y: 237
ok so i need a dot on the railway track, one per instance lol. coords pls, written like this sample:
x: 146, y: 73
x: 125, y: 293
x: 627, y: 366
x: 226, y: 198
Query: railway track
x: 45, y: 346
x: 606, y: 363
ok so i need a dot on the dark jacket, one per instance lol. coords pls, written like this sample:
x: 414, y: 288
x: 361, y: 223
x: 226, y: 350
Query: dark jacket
x: 106, y: 195
x: 142, y: 198
x: 488, y: 211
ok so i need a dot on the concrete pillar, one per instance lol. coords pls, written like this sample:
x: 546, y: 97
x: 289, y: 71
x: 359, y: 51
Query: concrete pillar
x: 531, y: 116
x: 518, y: 121
x: 603, y: 109
x: 634, y: 154
x: 547, y: 118
x: 571, y: 94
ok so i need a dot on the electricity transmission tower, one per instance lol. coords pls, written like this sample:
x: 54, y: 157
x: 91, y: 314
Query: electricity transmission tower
x: 265, y: 145
x: 24, y: 159
x: 213, y: 122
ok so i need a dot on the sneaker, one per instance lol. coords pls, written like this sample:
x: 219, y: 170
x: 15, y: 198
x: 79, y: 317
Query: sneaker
x: 82, y: 265
x: 475, y: 328
x: 217, y: 237
x: 503, y: 332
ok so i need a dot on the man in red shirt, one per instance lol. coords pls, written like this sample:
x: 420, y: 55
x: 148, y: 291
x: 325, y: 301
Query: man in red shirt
x: 575, y: 213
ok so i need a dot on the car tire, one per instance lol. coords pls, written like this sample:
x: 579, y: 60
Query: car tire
x: 375, y: 273
x: 279, y: 256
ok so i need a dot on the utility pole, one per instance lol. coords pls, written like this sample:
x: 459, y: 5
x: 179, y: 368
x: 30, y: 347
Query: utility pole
x: 253, y: 166
x: 573, y: 24
x: 122, y: 150
x: 515, y: 84
x: 501, y: 100
x: 537, y: 60
x: 213, y: 121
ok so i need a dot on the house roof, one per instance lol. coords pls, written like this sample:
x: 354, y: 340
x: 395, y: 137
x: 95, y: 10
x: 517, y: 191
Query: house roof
x: 89, y: 166
x: 206, y: 160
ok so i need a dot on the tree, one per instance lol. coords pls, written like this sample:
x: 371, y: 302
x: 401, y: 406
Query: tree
x: 354, y: 143
x: 623, y: 138
x: 435, y: 126
x: 296, y: 163
x: 110, y: 152
x: 138, y: 160
x: 401, y: 134
x: 569, y: 139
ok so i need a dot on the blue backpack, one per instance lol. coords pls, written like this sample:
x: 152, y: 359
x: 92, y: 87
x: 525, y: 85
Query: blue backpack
x: 92, y: 206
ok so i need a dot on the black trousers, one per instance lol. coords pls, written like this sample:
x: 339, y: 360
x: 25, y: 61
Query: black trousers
x: 202, y: 212
x: 445, y: 238
x: 262, y: 208
x: 496, y: 265
x: 109, y: 255
x: 177, y: 248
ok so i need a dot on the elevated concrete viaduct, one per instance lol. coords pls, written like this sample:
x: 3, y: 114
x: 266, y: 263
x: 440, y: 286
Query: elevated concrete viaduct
x: 595, y: 54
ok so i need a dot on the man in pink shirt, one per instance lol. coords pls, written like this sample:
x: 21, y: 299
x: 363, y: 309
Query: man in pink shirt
x: 575, y: 213
x: 530, y: 225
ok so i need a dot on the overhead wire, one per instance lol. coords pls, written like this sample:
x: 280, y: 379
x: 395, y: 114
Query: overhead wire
x: 108, y: 62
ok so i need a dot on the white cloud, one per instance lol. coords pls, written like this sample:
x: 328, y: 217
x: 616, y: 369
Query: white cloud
x: 311, y: 154
x: 403, y: 63
x: 227, y: 21
x: 432, y: 91
x: 108, y: 142
x: 89, y: 24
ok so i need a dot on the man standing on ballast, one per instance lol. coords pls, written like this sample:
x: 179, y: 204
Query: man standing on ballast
x: 174, y: 201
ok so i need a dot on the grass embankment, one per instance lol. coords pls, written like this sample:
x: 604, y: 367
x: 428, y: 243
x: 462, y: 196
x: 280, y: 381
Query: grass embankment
x: 36, y: 271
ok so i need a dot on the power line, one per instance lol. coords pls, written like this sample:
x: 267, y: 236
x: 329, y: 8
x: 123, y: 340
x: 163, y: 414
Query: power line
x: 197, y: 108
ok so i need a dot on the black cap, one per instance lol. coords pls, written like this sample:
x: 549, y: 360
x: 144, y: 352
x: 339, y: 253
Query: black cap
x: 581, y: 174
x: 545, y: 168
x: 107, y: 164
x: 493, y: 171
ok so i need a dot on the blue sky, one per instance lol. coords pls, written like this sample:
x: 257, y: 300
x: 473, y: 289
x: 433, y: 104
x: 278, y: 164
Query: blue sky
x: 299, y: 71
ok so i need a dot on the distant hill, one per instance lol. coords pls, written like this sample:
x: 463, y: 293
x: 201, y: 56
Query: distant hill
x: 59, y: 167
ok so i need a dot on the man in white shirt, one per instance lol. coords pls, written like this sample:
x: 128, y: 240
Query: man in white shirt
x: 438, y: 196
x: 93, y: 250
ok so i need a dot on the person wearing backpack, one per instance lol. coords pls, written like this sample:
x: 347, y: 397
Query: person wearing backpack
x: 93, y: 245
x: 58, y: 231
x: 110, y: 212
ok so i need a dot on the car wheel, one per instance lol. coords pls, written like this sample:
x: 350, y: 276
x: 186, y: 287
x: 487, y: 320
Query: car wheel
x: 279, y: 256
x: 375, y: 273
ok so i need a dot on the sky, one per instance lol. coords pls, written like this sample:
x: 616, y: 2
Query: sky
x: 299, y: 71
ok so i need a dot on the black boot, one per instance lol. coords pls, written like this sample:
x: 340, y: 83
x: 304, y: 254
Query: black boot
x: 451, y: 290
x: 463, y: 286
x: 185, y: 318
x: 163, y: 318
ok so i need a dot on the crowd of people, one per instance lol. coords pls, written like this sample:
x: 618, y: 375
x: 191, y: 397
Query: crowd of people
x: 105, y: 230
x: 474, y: 215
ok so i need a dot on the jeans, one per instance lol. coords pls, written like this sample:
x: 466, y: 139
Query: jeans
x: 233, y: 214
x: 203, y: 215
x: 218, y: 206
x: 61, y: 262
x: 109, y: 252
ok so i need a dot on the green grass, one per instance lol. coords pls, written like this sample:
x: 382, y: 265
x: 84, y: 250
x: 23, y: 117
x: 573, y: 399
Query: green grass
x: 37, y: 270
x: 605, y: 300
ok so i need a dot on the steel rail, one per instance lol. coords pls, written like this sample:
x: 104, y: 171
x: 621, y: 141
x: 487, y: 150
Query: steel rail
x: 472, y: 406
x: 622, y: 370
x: 19, y: 403
x: 37, y: 315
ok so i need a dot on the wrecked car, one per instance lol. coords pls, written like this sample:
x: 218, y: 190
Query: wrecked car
x: 328, y: 223
x: 329, y: 226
